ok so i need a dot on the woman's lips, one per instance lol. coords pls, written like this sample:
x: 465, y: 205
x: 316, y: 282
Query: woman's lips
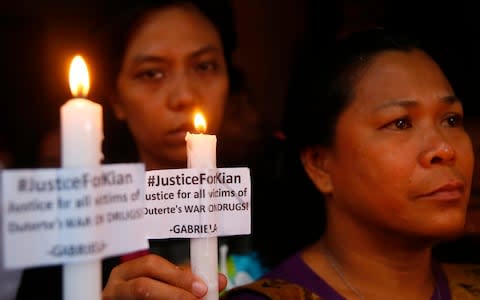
x: 446, y: 196
x: 446, y: 193
x: 177, y: 136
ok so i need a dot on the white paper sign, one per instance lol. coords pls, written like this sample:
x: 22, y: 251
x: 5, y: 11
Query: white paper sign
x: 190, y: 203
x: 57, y: 216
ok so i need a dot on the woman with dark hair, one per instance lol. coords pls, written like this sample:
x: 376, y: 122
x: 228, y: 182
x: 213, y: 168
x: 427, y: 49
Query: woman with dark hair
x: 381, y: 139
x: 154, y: 53
x: 164, y: 60
x: 170, y: 58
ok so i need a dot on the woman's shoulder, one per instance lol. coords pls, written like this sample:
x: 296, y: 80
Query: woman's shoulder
x: 463, y: 280
x: 463, y: 283
x: 289, y: 280
x: 270, y: 288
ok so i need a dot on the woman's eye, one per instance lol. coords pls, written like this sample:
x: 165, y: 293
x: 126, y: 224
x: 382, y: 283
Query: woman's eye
x: 454, y: 120
x: 206, y: 66
x: 402, y: 123
x: 150, y: 74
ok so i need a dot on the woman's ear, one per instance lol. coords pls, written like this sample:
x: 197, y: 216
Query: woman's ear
x: 117, y: 106
x: 315, y: 161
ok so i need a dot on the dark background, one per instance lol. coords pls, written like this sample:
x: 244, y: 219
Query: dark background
x: 39, y: 38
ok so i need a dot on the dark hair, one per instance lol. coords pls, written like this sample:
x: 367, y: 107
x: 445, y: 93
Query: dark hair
x: 114, y: 34
x: 327, y: 85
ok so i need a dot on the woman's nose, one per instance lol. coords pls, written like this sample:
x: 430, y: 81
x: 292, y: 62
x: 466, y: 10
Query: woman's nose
x: 182, y: 95
x: 439, y: 151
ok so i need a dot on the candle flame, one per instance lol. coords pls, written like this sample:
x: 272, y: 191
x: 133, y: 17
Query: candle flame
x: 200, y: 123
x: 78, y: 77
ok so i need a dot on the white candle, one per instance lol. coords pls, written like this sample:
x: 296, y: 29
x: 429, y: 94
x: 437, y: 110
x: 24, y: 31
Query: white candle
x: 81, y: 136
x: 201, y: 153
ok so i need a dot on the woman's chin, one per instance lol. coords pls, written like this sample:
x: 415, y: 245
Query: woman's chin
x: 449, y: 231
x: 178, y: 159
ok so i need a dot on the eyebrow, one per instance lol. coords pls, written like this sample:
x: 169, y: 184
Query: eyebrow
x: 450, y: 99
x: 148, y: 58
x: 206, y: 49
x: 158, y: 59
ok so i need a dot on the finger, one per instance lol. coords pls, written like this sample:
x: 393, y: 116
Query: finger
x: 222, y: 282
x: 156, y: 267
x: 153, y: 266
x: 146, y: 288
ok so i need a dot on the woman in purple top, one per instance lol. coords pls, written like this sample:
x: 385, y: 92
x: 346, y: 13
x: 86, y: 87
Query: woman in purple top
x: 381, y: 137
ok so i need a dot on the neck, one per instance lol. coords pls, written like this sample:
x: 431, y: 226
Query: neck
x: 376, y: 264
x: 396, y: 263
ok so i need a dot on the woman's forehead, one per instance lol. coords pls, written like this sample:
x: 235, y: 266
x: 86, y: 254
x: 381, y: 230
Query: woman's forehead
x: 401, y: 75
x: 192, y: 28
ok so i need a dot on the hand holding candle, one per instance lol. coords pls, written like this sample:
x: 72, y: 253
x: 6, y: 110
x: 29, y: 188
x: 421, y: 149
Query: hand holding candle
x: 201, y: 153
x: 81, y: 136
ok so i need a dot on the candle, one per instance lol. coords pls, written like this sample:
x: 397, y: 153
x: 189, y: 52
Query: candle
x: 201, y: 153
x: 81, y: 138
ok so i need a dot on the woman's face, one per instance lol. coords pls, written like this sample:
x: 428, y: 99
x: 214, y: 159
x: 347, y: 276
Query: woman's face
x: 173, y: 65
x: 402, y: 160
